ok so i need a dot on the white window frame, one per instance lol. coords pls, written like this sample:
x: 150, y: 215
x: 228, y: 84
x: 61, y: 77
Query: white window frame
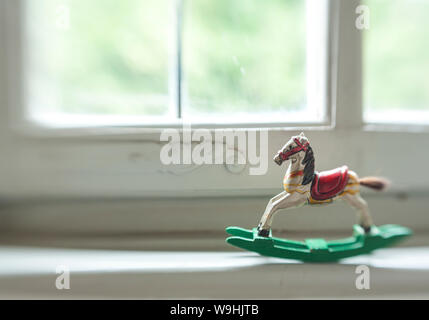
x: 318, y: 56
x: 124, y: 161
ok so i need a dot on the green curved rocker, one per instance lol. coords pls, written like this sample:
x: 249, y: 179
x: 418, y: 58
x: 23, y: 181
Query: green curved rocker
x: 318, y: 250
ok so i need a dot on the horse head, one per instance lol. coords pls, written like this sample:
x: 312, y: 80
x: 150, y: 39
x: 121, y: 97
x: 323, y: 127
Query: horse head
x: 295, y: 145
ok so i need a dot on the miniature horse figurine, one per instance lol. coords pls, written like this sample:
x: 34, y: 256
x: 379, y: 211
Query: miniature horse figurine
x: 302, y: 184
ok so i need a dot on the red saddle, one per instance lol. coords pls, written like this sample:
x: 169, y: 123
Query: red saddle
x: 328, y: 184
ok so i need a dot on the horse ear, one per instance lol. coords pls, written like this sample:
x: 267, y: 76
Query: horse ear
x: 302, y: 137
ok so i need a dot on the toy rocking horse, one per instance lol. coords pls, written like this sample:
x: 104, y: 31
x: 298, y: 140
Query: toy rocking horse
x: 303, y: 185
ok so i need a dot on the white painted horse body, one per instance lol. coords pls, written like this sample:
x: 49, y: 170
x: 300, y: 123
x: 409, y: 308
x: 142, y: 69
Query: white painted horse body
x: 298, y: 183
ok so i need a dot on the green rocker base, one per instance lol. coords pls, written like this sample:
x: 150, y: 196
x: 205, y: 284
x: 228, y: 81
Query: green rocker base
x: 318, y: 250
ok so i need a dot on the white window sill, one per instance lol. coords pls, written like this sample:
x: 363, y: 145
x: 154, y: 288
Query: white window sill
x: 30, y: 273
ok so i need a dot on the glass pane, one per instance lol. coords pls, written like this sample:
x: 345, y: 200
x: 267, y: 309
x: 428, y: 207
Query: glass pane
x: 97, y: 58
x: 396, y: 62
x: 245, y: 60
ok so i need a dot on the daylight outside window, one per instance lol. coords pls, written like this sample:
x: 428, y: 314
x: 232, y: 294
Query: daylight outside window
x: 396, y: 62
x: 101, y: 62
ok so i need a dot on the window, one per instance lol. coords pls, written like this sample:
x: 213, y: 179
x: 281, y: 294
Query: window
x: 396, y: 62
x: 49, y: 76
x: 244, y: 58
x: 87, y: 59
x: 162, y: 61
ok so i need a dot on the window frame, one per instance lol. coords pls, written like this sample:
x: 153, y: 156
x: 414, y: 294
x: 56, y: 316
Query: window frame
x: 124, y: 162
x: 16, y: 67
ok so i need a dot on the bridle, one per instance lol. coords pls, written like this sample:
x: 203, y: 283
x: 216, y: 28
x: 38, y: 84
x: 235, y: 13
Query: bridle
x: 300, y: 147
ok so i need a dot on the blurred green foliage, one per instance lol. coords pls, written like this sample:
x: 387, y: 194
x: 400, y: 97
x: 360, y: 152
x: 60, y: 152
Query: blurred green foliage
x: 112, y: 59
x: 115, y: 57
x: 244, y: 55
x: 396, y: 55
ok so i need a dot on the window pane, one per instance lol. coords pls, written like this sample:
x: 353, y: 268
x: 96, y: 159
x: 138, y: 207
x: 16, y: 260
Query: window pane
x: 97, y: 57
x: 245, y: 60
x: 396, y: 62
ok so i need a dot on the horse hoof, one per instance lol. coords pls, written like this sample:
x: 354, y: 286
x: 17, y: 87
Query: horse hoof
x: 264, y: 233
x: 366, y: 229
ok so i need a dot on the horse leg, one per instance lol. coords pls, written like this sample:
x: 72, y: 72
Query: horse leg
x: 357, y: 202
x: 283, y: 200
x: 265, y: 222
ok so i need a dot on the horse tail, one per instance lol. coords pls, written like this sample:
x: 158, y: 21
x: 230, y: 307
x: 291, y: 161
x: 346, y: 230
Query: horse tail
x: 375, y: 183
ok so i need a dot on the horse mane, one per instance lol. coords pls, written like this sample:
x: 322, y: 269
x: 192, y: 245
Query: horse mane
x: 309, y: 166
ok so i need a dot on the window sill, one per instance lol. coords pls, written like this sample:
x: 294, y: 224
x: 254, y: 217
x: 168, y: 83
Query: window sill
x: 95, y: 274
